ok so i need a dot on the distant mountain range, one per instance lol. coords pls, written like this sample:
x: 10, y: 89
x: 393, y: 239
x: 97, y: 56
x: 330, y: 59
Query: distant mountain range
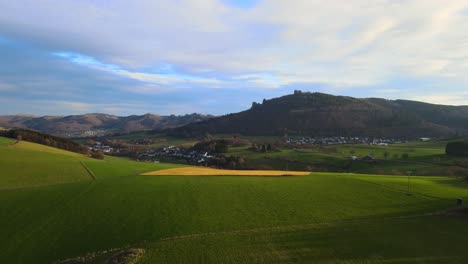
x: 97, y: 124
x: 327, y: 115
x: 308, y: 114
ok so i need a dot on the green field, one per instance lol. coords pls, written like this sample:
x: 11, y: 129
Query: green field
x: 321, y: 218
x: 25, y: 164
x: 424, y: 158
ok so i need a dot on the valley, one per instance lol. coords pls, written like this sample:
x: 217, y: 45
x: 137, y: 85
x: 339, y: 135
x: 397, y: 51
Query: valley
x: 316, y: 217
x: 233, y: 132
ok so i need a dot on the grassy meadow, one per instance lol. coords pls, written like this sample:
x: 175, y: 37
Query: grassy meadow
x: 424, y: 158
x: 27, y: 164
x: 318, y: 218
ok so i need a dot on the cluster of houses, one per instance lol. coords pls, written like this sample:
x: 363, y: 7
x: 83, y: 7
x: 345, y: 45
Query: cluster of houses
x: 176, y: 153
x: 341, y: 140
x: 367, y: 158
x: 87, y: 133
x: 104, y: 148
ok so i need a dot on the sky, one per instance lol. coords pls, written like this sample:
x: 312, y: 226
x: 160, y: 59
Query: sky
x: 63, y: 57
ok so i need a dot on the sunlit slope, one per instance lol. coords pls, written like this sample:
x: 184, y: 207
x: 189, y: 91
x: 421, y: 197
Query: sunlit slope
x: 75, y: 219
x: 24, y: 164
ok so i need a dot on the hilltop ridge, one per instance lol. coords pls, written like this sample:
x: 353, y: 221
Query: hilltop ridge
x: 97, y: 123
x: 306, y: 113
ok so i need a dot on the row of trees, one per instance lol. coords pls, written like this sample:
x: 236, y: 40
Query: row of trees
x: 51, y: 141
x: 262, y: 147
x: 386, y: 155
x: 213, y: 146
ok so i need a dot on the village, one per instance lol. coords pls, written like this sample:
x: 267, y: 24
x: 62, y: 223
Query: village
x: 336, y: 140
x: 104, y: 148
x: 86, y: 133
x: 177, y: 154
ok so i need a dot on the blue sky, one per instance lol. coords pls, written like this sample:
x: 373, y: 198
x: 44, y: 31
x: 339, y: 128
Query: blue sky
x: 218, y: 56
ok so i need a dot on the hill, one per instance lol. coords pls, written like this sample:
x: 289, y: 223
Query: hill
x: 44, y: 139
x: 96, y: 124
x: 26, y: 164
x: 328, y: 115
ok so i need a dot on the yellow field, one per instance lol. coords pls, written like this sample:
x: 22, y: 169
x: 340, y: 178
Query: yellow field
x: 203, y: 171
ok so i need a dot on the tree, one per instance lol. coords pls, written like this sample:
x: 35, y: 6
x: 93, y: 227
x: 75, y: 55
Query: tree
x: 254, y: 146
x: 457, y: 148
x: 405, y: 156
x: 221, y: 147
x: 263, y: 148
x: 268, y: 147
x: 97, y: 154
x: 386, y: 154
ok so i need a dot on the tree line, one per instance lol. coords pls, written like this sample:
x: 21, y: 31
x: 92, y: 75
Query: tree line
x: 457, y: 148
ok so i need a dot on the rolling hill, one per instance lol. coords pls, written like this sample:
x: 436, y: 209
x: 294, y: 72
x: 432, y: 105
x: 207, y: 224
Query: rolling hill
x: 328, y: 115
x: 26, y: 164
x: 75, y: 125
x: 54, y: 212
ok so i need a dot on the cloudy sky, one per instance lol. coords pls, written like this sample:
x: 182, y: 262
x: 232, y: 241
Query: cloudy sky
x: 217, y: 56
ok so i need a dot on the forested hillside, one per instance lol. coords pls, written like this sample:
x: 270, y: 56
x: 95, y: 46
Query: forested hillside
x: 327, y: 115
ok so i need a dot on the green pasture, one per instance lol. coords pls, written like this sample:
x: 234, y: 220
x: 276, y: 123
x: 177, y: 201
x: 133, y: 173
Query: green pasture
x: 27, y: 164
x: 320, y: 218
x: 424, y: 158
x: 140, y: 211
x: 414, y: 240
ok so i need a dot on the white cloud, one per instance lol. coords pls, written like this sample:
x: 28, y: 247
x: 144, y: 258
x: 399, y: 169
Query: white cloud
x: 444, y: 98
x: 276, y: 42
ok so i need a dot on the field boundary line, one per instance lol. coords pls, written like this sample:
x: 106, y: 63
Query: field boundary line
x: 300, y: 226
x: 88, y: 170
x: 399, y: 190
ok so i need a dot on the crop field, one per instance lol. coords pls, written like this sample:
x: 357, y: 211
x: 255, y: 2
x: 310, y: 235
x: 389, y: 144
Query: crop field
x: 418, y: 240
x: 202, y: 171
x: 316, y: 218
